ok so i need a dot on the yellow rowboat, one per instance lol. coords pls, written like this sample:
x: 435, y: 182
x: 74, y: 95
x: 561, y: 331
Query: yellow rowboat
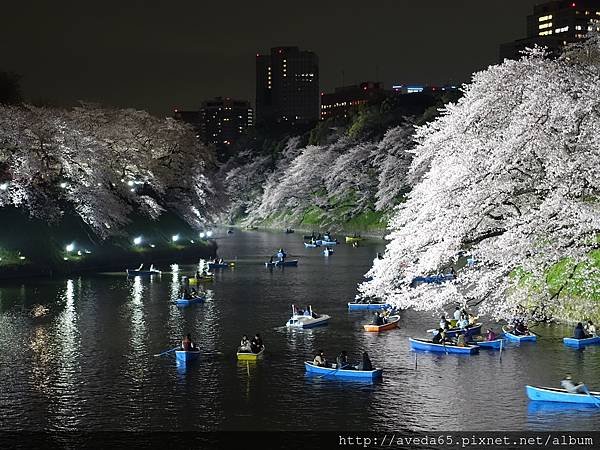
x: 249, y: 356
x: 351, y: 239
x: 194, y: 280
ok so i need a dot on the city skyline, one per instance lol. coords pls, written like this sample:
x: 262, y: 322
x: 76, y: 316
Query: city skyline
x: 148, y: 57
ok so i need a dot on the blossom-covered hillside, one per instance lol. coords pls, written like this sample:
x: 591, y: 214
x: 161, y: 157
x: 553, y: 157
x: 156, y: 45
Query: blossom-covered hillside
x: 511, y: 176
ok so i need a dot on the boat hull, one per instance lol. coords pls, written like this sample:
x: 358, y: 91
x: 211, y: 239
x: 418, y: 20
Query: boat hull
x: 572, y: 342
x: 428, y: 346
x: 344, y: 374
x: 307, y: 245
x: 516, y: 338
x: 351, y: 239
x: 185, y: 357
x: 307, y: 321
x: 249, y: 356
x: 187, y: 302
x: 142, y: 273
x: 292, y: 263
x: 386, y: 326
x: 195, y: 281
x: 496, y: 344
x: 218, y: 266
x: 367, y: 306
x: 560, y: 395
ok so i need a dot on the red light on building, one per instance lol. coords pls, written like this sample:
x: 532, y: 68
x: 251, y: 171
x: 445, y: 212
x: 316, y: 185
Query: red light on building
x: 175, y: 110
x: 322, y: 93
x: 280, y: 50
x: 573, y: 5
x: 257, y: 55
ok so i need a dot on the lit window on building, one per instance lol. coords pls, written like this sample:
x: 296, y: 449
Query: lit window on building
x: 545, y: 33
x: 544, y: 18
x: 561, y: 30
x: 545, y: 25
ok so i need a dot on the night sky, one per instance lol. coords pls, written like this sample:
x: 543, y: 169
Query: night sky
x: 157, y: 55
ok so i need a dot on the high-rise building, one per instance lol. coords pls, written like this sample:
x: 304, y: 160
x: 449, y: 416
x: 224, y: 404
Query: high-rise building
x: 287, y: 86
x: 348, y: 99
x: 220, y: 121
x: 555, y: 24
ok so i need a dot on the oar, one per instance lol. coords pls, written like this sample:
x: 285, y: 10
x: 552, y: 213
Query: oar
x: 595, y: 398
x: 167, y: 351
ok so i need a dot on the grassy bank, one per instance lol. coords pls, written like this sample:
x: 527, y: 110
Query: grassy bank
x: 30, y: 247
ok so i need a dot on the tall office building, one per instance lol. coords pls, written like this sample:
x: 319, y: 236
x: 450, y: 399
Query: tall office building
x: 223, y: 120
x: 555, y: 24
x: 287, y: 86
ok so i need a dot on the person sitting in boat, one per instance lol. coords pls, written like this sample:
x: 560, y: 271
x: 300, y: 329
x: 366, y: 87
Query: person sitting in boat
x: 457, y: 314
x: 590, y: 328
x: 472, y: 319
x: 520, y: 329
x: 490, y: 335
x: 378, y: 319
x: 440, y: 337
x: 245, y: 344
x: 460, y: 339
x: 365, y: 363
x: 572, y: 388
x: 355, y: 244
x: 463, y: 323
x: 257, y: 344
x: 221, y: 261
x: 320, y: 359
x: 307, y: 312
x: 444, y: 324
x: 579, y: 332
x: 342, y: 360
x: 187, y: 344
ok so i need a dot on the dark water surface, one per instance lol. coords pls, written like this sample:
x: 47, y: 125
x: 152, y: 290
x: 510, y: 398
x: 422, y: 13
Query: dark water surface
x: 88, y: 364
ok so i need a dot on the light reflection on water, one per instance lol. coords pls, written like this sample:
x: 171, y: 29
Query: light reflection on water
x: 88, y: 362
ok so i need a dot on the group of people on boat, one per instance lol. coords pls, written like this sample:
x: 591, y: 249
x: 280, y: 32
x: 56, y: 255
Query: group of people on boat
x: 342, y: 362
x: 462, y: 319
x: 381, y: 318
x: 251, y: 346
x: 281, y: 255
x: 305, y: 312
x: 187, y: 292
x: 584, y: 331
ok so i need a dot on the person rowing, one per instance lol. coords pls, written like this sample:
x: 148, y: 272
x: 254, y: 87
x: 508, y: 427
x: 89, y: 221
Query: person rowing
x: 320, y: 359
x: 572, y: 388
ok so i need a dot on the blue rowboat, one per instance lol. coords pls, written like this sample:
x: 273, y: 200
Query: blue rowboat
x: 142, y: 273
x: 572, y: 342
x: 294, y: 262
x: 343, y: 373
x: 218, y: 266
x: 471, y: 330
x: 433, y: 279
x: 327, y: 242
x: 190, y: 301
x: 184, y: 357
x: 519, y: 338
x: 309, y: 245
x: 495, y: 344
x: 429, y: 346
x: 561, y: 395
x: 367, y: 306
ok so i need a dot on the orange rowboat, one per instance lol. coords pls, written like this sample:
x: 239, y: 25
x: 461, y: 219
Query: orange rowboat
x: 392, y: 323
